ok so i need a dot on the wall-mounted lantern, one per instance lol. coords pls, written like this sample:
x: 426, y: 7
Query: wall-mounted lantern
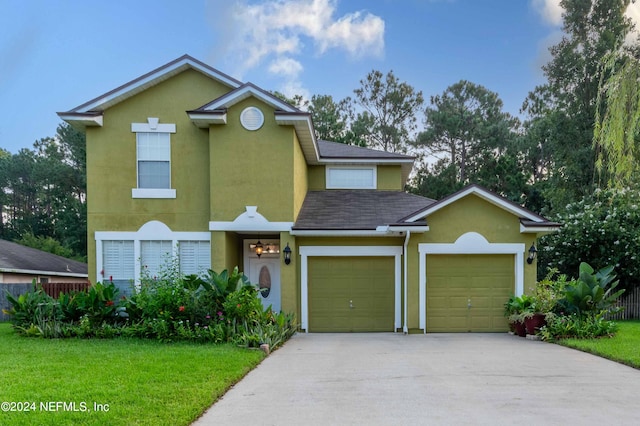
x: 532, y: 254
x: 287, y: 254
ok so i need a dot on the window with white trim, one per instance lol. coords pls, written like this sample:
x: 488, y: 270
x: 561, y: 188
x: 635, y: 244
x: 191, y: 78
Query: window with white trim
x: 155, y: 257
x: 195, y: 257
x: 153, y: 159
x: 354, y: 177
x: 118, y: 264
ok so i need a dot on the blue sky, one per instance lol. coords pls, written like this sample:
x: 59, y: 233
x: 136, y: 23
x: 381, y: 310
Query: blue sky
x: 56, y: 54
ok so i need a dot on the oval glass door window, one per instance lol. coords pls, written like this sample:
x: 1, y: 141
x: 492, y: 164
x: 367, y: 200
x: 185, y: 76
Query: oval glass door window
x: 264, y: 282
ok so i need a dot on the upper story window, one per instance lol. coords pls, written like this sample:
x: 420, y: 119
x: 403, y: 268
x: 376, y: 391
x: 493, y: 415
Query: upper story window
x: 351, y: 177
x: 153, y: 151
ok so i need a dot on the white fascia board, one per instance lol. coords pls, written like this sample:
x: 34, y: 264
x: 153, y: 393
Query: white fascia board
x: 243, y: 93
x: 493, y: 199
x: 363, y: 161
x: 350, y: 250
x: 306, y: 135
x: 247, y: 227
x: 160, y: 75
x: 36, y: 272
x: 83, y: 119
x: 203, y: 120
x: 538, y: 229
x: 412, y: 229
x: 340, y: 233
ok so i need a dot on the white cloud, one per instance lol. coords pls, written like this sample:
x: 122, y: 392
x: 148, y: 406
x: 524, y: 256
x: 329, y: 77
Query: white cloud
x: 285, y: 66
x: 550, y: 10
x: 276, y: 31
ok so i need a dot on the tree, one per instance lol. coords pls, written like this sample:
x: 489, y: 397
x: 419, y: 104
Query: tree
x: 616, y: 133
x: 467, y: 124
x: 388, y: 119
x: 592, y: 28
x: 43, y: 191
x: 330, y: 118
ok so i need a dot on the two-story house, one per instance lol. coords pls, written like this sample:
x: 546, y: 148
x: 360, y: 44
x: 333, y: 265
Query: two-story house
x: 188, y: 162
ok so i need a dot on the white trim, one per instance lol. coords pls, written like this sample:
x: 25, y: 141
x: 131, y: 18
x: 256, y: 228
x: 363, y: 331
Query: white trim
x: 469, y: 243
x: 341, y: 233
x: 152, y: 126
x: 153, y: 193
x: 251, y: 221
x: 203, y: 120
x: 405, y: 328
x: 344, y: 251
x: 38, y: 272
x: 538, y: 229
x: 487, y: 196
x: 150, y: 231
x: 372, y: 185
x: 242, y: 93
x: 163, y: 73
x: 86, y: 120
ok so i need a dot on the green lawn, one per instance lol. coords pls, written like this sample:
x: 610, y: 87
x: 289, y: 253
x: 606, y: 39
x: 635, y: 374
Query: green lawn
x: 622, y: 348
x: 141, y: 382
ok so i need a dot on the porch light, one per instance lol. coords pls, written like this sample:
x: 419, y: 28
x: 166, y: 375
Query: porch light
x: 260, y: 247
x: 287, y: 254
x: 532, y: 254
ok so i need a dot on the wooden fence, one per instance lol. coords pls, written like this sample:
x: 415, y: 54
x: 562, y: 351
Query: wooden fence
x: 52, y: 289
x: 630, y: 302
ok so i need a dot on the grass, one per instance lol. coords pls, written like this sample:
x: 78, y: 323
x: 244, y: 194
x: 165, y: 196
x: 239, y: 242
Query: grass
x: 623, y: 347
x: 143, y: 382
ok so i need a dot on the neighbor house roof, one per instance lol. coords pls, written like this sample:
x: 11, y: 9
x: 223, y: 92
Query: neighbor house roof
x: 16, y: 258
x: 357, y: 209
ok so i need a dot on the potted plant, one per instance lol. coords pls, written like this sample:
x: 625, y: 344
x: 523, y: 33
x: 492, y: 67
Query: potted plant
x: 517, y: 309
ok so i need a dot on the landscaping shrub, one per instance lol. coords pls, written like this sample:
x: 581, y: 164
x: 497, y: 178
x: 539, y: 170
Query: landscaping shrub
x: 216, y: 308
x: 604, y: 229
x: 578, y: 308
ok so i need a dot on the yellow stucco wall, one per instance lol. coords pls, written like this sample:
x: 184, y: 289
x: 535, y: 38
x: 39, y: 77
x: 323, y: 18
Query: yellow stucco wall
x: 300, y: 177
x: 251, y: 168
x: 389, y: 178
x: 469, y: 214
x: 112, y: 168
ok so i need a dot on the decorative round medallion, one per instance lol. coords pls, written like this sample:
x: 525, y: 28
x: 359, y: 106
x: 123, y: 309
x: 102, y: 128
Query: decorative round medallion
x: 251, y: 118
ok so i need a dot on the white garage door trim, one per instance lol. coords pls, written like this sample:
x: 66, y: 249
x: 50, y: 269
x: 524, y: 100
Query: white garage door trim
x: 469, y: 243
x: 346, y: 251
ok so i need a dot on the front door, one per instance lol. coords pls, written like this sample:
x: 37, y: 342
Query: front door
x: 264, y: 271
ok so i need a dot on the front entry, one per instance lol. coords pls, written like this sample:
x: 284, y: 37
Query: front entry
x: 264, y: 271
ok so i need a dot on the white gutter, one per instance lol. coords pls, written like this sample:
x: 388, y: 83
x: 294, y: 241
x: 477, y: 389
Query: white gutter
x: 405, y: 329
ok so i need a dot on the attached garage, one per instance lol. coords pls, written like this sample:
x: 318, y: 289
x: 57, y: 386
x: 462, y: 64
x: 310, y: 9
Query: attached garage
x: 351, y: 294
x: 466, y: 293
x: 347, y: 289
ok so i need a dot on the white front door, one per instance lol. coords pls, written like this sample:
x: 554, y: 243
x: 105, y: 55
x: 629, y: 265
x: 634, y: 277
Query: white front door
x: 264, y: 271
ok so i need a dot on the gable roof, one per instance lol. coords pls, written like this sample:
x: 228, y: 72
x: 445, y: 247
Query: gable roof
x: 90, y: 113
x: 529, y: 221
x: 215, y: 112
x: 17, y: 258
x: 357, y: 209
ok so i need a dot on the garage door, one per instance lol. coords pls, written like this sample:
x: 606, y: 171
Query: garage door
x: 351, y: 294
x: 467, y: 292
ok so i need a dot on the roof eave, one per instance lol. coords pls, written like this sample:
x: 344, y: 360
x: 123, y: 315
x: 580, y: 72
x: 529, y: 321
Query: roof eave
x: 82, y: 120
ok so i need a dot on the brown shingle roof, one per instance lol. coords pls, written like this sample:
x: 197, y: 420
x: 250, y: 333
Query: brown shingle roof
x: 339, y: 150
x: 356, y: 209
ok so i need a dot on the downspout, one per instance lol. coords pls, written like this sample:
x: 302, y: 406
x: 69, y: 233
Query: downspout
x: 405, y: 329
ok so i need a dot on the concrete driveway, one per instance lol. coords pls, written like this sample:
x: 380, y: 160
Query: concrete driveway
x: 435, y: 379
